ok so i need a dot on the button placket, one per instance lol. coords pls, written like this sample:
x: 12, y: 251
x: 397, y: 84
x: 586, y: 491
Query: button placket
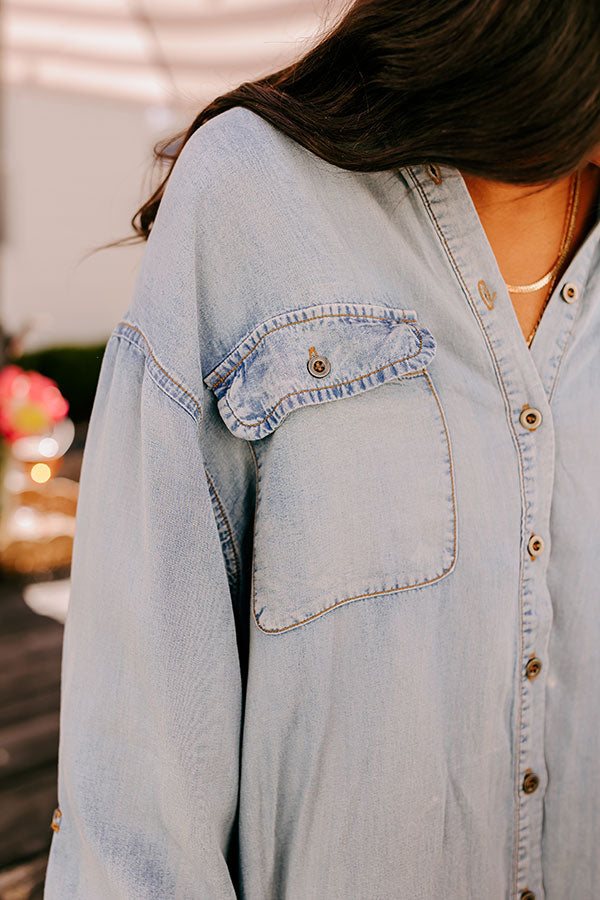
x: 534, y: 631
x: 533, y: 710
x: 531, y: 418
x: 524, y: 375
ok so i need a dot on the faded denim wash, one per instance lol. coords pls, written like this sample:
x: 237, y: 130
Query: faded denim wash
x: 297, y: 659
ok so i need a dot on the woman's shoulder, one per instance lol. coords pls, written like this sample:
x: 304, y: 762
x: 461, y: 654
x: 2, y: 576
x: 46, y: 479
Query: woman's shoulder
x: 235, y: 129
x: 251, y: 225
x: 216, y: 240
x: 238, y: 148
x: 240, y: 162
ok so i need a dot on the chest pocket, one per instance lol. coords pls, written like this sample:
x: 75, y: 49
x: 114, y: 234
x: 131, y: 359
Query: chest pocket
x: 355, y: 486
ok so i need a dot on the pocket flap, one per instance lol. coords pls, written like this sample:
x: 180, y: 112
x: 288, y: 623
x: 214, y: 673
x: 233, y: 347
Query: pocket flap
x: 353, y: 348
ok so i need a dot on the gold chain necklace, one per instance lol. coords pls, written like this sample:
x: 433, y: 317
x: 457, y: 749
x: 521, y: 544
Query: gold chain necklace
x: 565, y: 245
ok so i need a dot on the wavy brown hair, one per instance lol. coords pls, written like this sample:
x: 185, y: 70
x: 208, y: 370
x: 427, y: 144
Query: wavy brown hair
x: 501, y: 89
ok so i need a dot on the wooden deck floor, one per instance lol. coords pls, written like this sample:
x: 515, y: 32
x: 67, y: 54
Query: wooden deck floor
x: 30, y: 656
x: 30, y: 652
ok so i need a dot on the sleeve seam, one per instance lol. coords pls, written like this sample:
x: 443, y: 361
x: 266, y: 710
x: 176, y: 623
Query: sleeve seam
x: 226, y: 539
x: 152, y: 365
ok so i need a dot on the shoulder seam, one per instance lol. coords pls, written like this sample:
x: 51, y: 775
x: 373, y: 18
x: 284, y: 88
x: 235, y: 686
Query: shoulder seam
x: 173, y: 381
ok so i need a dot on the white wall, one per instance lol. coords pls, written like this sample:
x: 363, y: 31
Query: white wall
x: 75, y: 170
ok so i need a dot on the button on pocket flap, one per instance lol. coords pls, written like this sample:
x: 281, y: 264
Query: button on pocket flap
x: 313, y: 355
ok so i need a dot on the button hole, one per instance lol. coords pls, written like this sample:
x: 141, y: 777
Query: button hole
x: 434, y: 173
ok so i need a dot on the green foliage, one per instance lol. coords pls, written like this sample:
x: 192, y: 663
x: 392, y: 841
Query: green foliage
x: 75, y: 369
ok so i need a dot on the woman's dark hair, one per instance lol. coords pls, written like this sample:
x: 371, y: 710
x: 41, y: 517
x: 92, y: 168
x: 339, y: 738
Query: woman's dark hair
x: 501, y: 89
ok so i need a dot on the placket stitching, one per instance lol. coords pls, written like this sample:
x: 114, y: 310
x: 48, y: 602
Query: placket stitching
x: 521, y: 825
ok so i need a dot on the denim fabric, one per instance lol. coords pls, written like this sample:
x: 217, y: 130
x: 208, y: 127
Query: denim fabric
x: 305, y: 600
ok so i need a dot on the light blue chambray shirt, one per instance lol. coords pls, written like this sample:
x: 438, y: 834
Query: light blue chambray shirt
x: 334, y: 630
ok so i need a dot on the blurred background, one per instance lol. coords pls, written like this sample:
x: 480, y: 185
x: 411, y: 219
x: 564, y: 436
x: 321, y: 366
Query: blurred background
x: 88, y: 88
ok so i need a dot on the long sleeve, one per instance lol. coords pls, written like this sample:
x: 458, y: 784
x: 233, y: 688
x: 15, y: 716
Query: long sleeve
x: 151, y: 688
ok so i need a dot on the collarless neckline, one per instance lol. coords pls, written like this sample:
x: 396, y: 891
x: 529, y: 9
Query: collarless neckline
x: 454, y: 216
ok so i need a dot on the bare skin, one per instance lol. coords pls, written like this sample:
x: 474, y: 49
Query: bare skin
x: 524, y: 229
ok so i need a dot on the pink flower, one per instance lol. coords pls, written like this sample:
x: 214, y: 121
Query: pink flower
x: 30, y: 403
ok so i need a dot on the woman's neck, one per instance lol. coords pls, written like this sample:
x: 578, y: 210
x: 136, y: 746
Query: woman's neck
x: 517, y: 215
x: 524, y: 225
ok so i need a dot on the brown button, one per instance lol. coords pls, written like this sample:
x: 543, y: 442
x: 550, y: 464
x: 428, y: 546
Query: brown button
x: 533, y: 667
x: 530, y: 418
x: 535, y: 545
x: 527, y: 895
x: 319, y: 366
x: 530, y: 782
x: 569, y: 292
